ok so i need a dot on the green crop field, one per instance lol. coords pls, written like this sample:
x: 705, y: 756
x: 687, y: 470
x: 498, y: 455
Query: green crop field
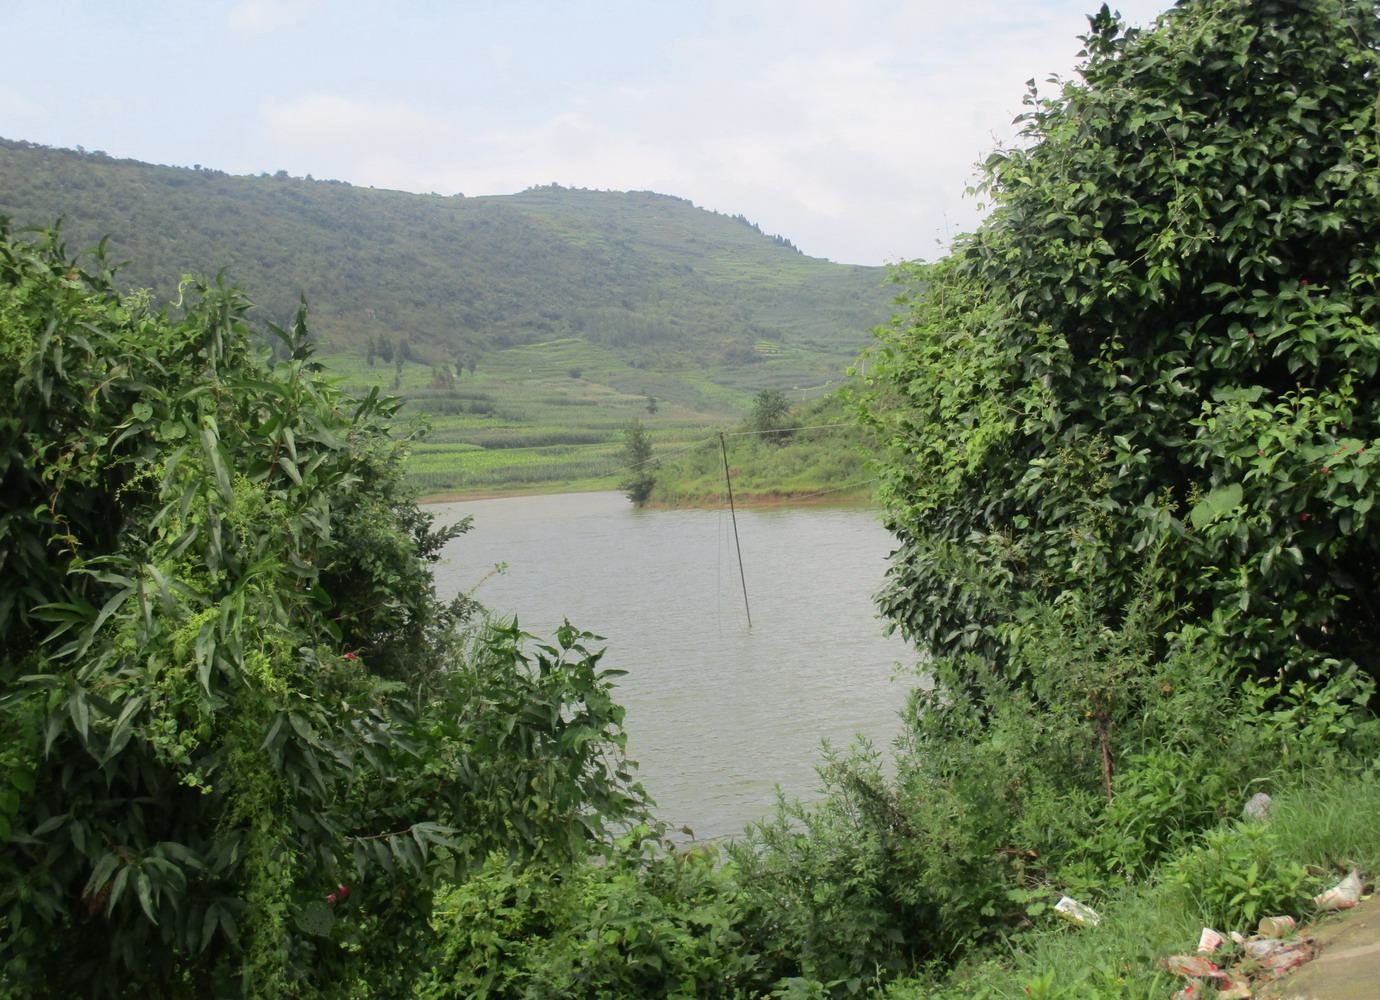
x: 542, y: 416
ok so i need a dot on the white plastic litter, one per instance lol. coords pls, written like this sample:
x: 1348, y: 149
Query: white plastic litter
x: 1344, y: 894
x: 1079, y: 913
x: 1275, y: 927
x: 1209, y: 941
x: 1257, y: 807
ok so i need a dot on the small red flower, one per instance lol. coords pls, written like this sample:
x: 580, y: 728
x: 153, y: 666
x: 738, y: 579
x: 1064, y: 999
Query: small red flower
x: 349, y: 656
x: 1304, y: 282
x: 1326, y: 469
x: 343, y: 891
x: 1303, y: 516
x: 331, y: 899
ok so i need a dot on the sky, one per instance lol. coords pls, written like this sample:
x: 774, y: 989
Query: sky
x: 851, y: 127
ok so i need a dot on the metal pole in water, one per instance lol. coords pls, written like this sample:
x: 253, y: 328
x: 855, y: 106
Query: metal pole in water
x: 734, y: 513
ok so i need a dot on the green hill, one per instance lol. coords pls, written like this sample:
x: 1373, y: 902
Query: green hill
x: 531, y: 326
x: 651, y: 276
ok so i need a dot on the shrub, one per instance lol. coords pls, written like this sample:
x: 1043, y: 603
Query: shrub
x: 647, y: 921
x: 243, y: 737
x: 1165, y: 334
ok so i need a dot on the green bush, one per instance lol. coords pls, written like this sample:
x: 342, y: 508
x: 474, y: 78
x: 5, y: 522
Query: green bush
x: 1111, y: 764
x: 643, y: 923
x: 243, y: 738
x: 1237, y: 876
x: 831, y: 889
x: 1165, y: 336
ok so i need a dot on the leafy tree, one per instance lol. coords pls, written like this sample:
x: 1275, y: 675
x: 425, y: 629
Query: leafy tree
x: 770, y: 408
x: 637, y: 456
x: 242, y: 738
x: 1166, y: 335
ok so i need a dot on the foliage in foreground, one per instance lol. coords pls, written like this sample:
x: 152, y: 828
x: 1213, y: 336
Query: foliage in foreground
x: 938, y: 876
x: 1167, y: 334
x: 653, y: 921
x: 1002, y: 802
x: 1316, y: 825
x: 242, y: 738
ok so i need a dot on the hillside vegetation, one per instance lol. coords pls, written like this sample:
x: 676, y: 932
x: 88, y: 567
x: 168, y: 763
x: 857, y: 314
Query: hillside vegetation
x: 661, y: 283
x: 811, y: 452
x: 529, y: 327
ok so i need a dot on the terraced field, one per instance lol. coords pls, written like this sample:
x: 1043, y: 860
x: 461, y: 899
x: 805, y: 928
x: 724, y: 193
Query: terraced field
x: 543, y: 416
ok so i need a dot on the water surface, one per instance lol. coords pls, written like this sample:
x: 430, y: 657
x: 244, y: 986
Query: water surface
x: 718, y: 714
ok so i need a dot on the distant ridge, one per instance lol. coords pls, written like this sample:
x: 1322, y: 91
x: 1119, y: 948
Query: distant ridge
x: 648, y: 275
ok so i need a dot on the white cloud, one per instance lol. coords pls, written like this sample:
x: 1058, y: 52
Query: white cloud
x: 337, y: 126
x: 262, y: 17
x: 14, y: 106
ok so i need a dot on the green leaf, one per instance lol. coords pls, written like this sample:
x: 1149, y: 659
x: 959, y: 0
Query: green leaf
x: 22, y: 779
x: 214, y: 452
x: 144, y: 889
x: 317, y: 918
x: 124, y: 727
x: 80, y: 712
x: 1216, y: 504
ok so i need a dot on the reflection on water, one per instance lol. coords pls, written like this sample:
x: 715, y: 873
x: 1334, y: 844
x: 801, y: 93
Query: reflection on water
x: 718, y: 713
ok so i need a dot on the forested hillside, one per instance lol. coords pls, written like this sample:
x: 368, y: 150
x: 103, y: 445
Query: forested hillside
x: 658, y: 281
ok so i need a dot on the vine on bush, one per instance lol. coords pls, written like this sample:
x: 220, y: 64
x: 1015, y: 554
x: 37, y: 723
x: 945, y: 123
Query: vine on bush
x: 245, y: 738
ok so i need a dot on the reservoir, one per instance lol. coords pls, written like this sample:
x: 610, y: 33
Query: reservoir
x: 718, y: 713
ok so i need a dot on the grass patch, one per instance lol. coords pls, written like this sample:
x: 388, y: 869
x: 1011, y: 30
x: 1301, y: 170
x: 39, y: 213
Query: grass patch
x: 552, y: 414
x: 1316, y: 825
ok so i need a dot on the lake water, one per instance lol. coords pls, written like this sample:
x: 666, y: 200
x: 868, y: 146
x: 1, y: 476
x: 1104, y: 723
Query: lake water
x: 718, y: 714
